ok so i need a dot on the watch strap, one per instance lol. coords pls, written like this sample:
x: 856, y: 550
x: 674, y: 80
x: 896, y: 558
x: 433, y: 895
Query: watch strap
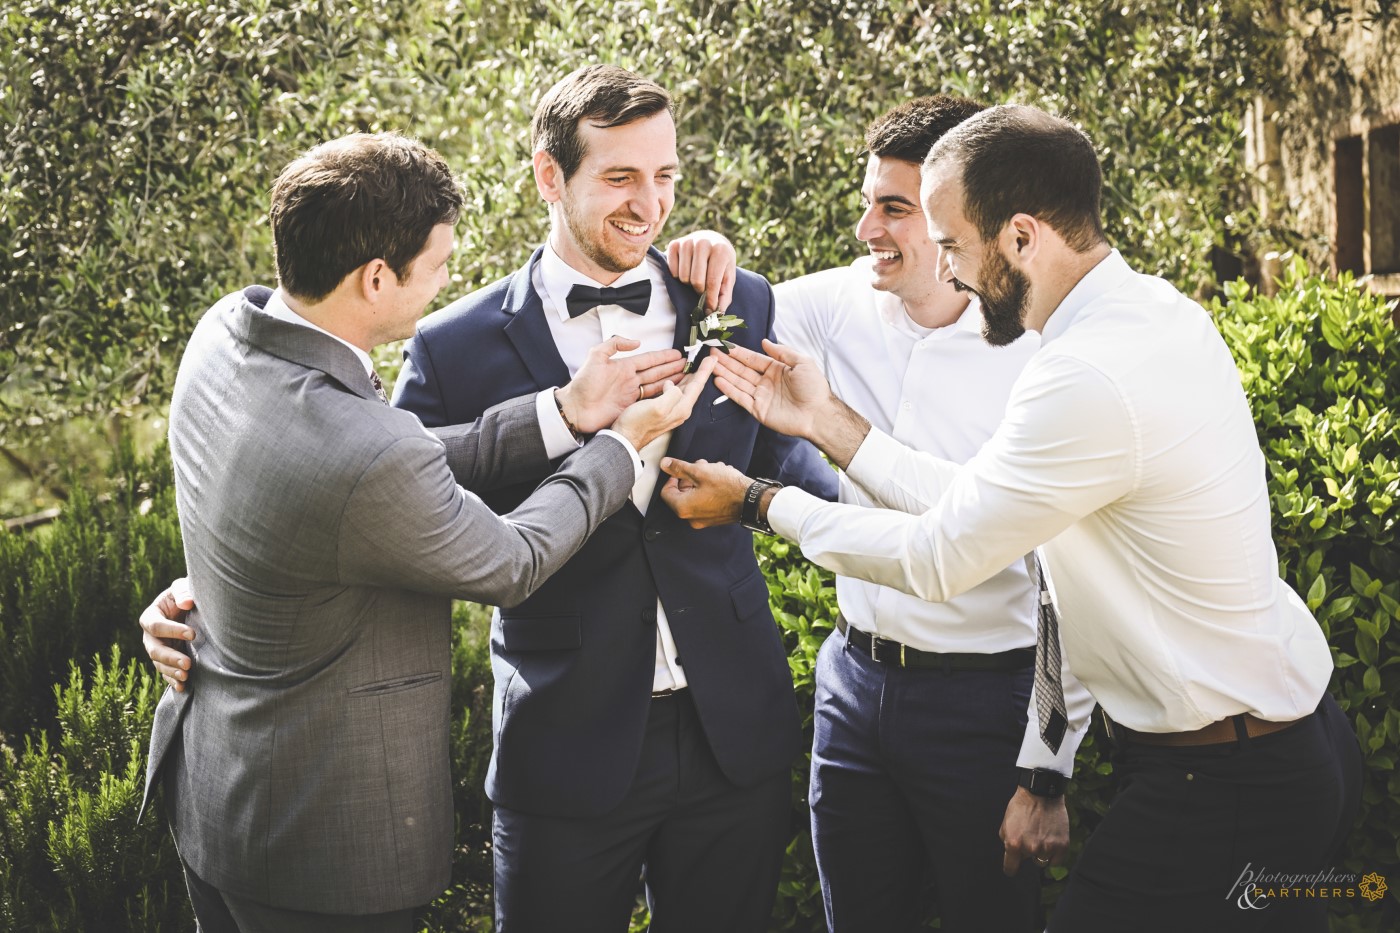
x: 748, y: 509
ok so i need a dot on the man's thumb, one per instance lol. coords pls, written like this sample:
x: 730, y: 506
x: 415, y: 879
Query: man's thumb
x: 785, y: 355
x: 678, y: 468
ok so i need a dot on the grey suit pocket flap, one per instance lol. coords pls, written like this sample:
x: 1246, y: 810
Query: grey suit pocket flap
x: 395, y: 684
x: 750, y: 598
x: 540, y: 633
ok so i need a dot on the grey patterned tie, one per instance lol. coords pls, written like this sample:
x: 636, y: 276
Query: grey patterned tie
x: 378, y: 384
x: 1049, y: 689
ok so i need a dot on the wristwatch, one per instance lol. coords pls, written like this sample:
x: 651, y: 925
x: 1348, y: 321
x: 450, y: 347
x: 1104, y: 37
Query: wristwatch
x: 1042, y: 782
x: 748, y: 510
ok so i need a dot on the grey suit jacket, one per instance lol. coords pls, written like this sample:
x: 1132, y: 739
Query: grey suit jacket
x: 307, y: 762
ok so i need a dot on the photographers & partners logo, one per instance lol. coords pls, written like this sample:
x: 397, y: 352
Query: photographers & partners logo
x: 1258, y: 889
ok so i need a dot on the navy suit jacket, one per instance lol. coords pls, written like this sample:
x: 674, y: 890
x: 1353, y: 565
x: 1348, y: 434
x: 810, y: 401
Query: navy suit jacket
x: 574, y: 663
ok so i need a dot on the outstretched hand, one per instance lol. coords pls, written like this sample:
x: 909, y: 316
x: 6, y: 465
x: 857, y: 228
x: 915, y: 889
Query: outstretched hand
x: 704, y: 494
x: 607, y: 383
x: 784, y: 390
x: 163, y: 627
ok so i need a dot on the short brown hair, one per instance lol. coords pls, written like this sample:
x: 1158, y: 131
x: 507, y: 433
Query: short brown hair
x: 605, y: 96
x: 350, y: 200
x: 1019, y: 160
x: 909, y: 131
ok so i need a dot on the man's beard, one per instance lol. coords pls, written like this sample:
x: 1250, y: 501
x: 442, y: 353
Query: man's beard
x: 1005, y: 292
x: 592, y: 246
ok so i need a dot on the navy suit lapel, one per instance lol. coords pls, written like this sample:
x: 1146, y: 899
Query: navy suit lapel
x: 684, y: 299
x: 529, y: 331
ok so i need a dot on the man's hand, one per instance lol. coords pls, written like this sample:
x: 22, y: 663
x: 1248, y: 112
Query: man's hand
x: 645, y: 421
x: 1034, y: 827
x: 163, y: 627
x: 705, y: 261
x: 607, y: 383
x: 704, y: 494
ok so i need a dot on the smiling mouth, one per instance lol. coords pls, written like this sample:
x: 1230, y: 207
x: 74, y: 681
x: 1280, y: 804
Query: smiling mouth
x: 885, y: 255
x: 631, y: 229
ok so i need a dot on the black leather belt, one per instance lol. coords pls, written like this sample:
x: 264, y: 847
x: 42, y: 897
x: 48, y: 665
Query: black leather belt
x: 668, y: 692
x: 886, y: 651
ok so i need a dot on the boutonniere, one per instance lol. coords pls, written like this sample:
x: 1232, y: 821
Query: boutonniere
x: 709, y: 329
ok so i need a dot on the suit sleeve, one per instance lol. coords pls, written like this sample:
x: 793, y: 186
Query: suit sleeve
x: 501, y: 447
x: 504, y: 446
x: 407, y: 524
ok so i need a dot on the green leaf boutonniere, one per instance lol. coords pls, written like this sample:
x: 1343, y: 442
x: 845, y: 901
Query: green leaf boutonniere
x: 709, y: 329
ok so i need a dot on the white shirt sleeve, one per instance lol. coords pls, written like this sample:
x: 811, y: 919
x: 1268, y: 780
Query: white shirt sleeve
x: 804, y: 319
x: 1064, y: 450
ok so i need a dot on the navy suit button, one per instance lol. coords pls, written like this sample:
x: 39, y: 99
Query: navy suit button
x: 652, y: 534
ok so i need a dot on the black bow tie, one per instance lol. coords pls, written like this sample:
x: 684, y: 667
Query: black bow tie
x: 584, y: 298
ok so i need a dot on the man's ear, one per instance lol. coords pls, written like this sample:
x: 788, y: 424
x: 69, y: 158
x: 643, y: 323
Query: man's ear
x: 1022, y: 239
x: 374, y: 279
x: 549, y: 178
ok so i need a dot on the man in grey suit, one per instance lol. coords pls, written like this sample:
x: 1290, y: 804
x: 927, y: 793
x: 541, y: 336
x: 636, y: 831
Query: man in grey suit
x: 307, y: 773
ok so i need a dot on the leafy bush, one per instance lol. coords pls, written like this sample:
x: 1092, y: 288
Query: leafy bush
x: 75, y: 588
x: 72, y: 856
x: 1318, y: 362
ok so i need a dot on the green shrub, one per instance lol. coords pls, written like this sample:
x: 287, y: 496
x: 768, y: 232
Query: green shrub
x: 75, y: 587
x: 1319, y: 363
x: 72, y: 856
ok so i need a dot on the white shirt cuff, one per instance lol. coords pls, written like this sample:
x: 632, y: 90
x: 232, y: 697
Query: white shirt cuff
x: 870, y: 465
x: 788, y: 510
x: 1036, y: 754
x: 626, y: 445
x: 558, y: 439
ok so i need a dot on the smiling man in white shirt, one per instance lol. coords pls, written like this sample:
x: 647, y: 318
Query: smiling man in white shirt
x: 1128, y: 453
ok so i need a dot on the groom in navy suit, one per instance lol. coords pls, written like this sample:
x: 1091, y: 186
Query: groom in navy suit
x: 644, y: 717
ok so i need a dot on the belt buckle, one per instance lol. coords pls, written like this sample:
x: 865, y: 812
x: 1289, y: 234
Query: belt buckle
x: 875, y: 641
x: 875, y: 648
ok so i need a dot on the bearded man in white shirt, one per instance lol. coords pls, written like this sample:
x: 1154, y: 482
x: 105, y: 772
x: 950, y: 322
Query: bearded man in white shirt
x: 1128, y: 453
x: 920, y: 719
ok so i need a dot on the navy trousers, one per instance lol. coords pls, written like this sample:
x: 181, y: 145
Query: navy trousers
x: 1188, y: 823
x: 911, y: 774
x: 710, y: 852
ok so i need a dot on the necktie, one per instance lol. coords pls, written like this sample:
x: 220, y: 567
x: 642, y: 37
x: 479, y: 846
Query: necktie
x: 378, y: 384
x: 584, y: 298
x: 1049, y: 689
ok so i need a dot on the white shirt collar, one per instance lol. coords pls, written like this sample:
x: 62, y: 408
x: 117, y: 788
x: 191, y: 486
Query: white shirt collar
x: 891, y: 311
x: 277, y: 307
x: 558, y: 277
x: 1107, y: 275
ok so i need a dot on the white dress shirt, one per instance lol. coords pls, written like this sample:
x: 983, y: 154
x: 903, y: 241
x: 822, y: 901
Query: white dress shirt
x: 574, y: 337
x: 939, y: 390
x: 1129, y: 451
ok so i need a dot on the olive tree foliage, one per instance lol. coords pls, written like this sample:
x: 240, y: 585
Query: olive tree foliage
x: 140, y: 138
x: 139, y: 142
